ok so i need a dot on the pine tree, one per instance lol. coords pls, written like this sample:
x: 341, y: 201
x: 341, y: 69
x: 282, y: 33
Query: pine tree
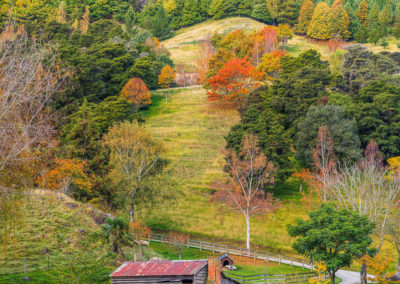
x: 306, y: 13
x: 373, y: 16
x: 320, y: 26
x: 339, y: 20
x: 273, y: 9
x: 362, y: 12
x: 288, y: 12
x: 385, y: 19
x: 130, y: 20
x: 374, y: 33
x: 160, y: 27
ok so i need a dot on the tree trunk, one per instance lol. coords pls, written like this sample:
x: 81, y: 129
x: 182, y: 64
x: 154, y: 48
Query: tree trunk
x: 132, y: 211
x: 398, y: 263
x: 247, y: 217
x: 333, y: 278
x: 363, y: 274
x: 115, y: 247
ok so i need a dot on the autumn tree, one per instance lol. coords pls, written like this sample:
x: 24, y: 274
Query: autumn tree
x: 270, y: 35
x: 378, y: 266
x: 339, y: 21
x: 362, y: 12
x: 61, y: 13
x: 135, y: 156
x: 320, y: 26
x: 270, y: 64
x: 205, y: 54
x: 305, y: 16
x: 85, y: 21
x: 68, y: 176
x: 178, y: 241
x: 29, y: 83
x: 234, y: 81
x: 166, y: 78
x: 136, y: 91
x: 250, y: 171
x: 284, y: 34
x: 140, y: 232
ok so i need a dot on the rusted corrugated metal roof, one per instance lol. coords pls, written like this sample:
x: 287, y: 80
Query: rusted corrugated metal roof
x: 160, y: 268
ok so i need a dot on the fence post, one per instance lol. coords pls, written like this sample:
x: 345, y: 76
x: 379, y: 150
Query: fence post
x: 291, y: 261
x: 303, y: 263
x: 280, y: 261
x: 161, y: 238
x: 25, y: 265
x: 226, y: 249
x: 254, y: 255
x: 244, y: 280
x: 265, y: 279
x: 188, y: 243
x: 213, y: 248
x: 200, y: 245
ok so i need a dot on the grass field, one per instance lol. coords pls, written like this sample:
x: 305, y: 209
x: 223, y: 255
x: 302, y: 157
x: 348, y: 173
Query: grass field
x: 193, y: 131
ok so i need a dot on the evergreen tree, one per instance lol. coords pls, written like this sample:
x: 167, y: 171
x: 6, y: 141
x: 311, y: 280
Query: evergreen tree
x: 385, y: 19
x: 320, y: 26
x: 288, y: 12
x: 160, y: 27
x: 260, y: 11
x: 339, y: 20
x: 305, y: 16
x: 373, y: 16
x: 362, y: 12
x: 130, y: 21
x: 273, y: 9
x: 375, y: 33
x: 190, y: 14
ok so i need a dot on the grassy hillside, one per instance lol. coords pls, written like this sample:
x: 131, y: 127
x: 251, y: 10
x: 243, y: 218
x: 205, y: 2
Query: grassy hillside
x: 185, y: 45
x: 193, y: 131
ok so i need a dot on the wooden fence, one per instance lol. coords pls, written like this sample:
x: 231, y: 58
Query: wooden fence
x: 271, y: 278
x: 255, y: 254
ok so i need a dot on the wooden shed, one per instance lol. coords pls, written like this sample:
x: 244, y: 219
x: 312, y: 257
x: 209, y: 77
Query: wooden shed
x: 163, y: 271
x: 225, y: 260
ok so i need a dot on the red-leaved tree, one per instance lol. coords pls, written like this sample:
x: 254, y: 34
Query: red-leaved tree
x: 136, y: 91
x: 234, y: 81
x: 249, y: 171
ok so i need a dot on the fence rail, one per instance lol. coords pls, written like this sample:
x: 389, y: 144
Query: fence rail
x: 255, y: 254
x: 271, y: 278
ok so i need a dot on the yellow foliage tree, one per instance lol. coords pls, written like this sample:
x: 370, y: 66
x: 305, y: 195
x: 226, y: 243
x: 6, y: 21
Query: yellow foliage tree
x: 339, y: 21
x: 362, y: 12
x: 166, y: 78
x: 61, y: 14
x: 305, y: 16
x: 85, y: 21
x: 320, y: 26
x: 379, y: 266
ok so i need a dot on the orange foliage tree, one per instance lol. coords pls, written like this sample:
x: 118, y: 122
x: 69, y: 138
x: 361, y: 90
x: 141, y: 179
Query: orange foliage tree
x: 139, y: 231
x: 379, y: 266
x: 67, y: 175
x: 234, y: 81
x: 166, y: 78
x: 136, y: 91
x: 271, y: 64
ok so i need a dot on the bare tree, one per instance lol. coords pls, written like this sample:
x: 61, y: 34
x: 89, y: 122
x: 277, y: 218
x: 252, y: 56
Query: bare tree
x: 205, y: 54
x: 368, y: 189
x: 324, y: 160
x: 249, y: 171
x: 134, y: 157
x: 393, y: 229
x: 29, y: 80
x: 178, y: 241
